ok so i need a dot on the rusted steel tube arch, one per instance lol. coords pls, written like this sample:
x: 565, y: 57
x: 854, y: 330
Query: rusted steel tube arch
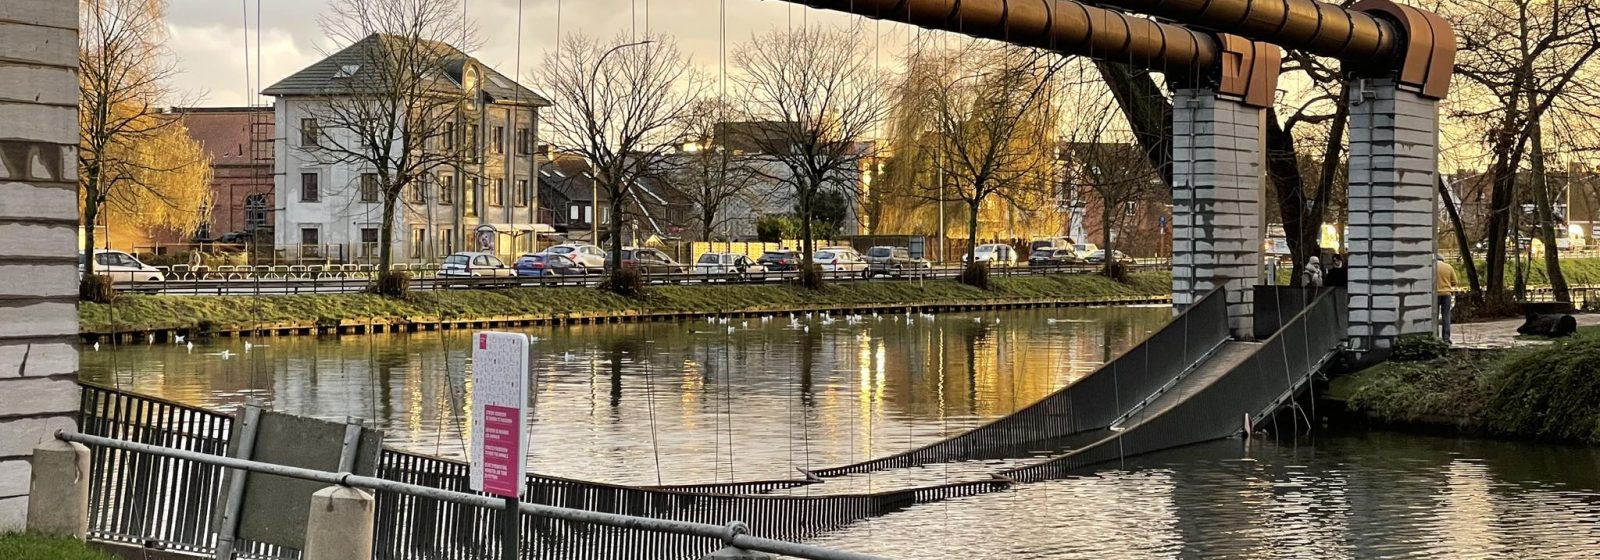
x: 1241, y: 67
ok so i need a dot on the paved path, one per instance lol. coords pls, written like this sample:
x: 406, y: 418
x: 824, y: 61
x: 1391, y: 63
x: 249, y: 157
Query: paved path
x: 1503, y: 333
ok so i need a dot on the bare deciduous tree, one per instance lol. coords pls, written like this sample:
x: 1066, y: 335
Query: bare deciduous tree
x: 392, y: 103
x: 708, y: 172
x: 1529, y: 58
x: 1116, y: 173
x: 621, y: 105
x: 820, y: 98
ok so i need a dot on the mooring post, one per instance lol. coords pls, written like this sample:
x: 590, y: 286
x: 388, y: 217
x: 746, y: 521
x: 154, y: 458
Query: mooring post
x: 341, y: 524
x: 59, y: 489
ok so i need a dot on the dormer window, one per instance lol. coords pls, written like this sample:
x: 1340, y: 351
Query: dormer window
x: 347, y: 70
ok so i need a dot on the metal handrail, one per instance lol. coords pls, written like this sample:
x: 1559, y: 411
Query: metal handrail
x: 734, y: 534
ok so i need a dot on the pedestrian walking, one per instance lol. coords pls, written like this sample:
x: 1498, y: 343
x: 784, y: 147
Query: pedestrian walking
x: 1444, y: 284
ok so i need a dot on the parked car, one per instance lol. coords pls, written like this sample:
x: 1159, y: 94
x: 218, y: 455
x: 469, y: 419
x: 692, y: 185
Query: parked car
x: 1049, y: 242
x: 1084, y: 249
x: 1099, y: 257
x: 713, y: 264
x: 121, y: 267
x: 650, y: 261
x: 235, y: 237
x: 896, y: 261
x: 996, y: 254
x: 582, y: 253
x: 546, y: 264
x: 841, y: 260
x: 475, y: 265
x: 1053, y: 257
x: 781, y: 260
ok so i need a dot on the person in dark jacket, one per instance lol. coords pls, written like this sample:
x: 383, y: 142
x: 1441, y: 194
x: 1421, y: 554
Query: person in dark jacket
x: 1337, y: 276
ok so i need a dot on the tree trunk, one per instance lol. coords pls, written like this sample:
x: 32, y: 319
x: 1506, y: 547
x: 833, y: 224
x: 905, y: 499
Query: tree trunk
x: 1105, y: 235
x: 1541, y: 202
x: 1467, y: 264
x: 972, y: 230
x: 806, y: 245
x: 1283, y: 169
x: 386, y: 234
x: 91, y: 211
x: 615, y: 228
x: 1503, y: 176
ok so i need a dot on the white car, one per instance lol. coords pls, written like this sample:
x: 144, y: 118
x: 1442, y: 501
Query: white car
x: 711, y: 264
x: 591, y: 257
x: 121, y: 267
x: 475, y: 265
x: 841, y: 260
x: 996, y: 254
x: 1085, y: 249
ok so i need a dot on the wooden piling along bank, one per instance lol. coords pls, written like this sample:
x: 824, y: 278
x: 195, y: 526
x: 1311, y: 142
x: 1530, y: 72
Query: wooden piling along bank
x: 427, y: 324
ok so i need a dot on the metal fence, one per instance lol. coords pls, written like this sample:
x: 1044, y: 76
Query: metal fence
x: 169, y: 503
x: 1271, y: 374
x: 297, y: 279
x: 1090, y: 403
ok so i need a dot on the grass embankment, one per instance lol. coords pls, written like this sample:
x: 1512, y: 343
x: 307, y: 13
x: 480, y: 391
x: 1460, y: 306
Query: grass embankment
x: 32, y: 546
x: 1542, y: 392
x: 157, y: 312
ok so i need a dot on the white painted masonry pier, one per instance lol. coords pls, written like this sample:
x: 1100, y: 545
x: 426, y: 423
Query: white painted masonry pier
x: 1394, y: 169
x: 1394, y: 137
x: 1216, y: 201
x: 38, y: 235
x: 1218, y: 161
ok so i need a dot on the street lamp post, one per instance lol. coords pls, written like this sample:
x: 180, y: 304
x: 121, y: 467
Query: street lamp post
x: 594, y: 183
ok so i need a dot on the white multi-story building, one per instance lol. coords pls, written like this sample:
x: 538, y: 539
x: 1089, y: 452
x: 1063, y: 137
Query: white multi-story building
x: 327, y: 209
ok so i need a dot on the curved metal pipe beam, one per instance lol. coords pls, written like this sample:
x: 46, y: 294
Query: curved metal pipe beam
x: 1307, y: 25
x: 1062, y: 25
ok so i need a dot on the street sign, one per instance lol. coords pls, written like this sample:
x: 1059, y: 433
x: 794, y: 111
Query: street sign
x: 499, y: 412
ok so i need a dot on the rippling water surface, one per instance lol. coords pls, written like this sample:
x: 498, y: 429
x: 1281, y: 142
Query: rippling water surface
x: 693, y: 402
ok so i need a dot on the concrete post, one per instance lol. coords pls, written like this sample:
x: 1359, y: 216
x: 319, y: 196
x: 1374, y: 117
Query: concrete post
x: 38, y: 237
x: 1216, y: 201
x: 1394, y: 138
x: 341, y: 524
x: 731, y: 553
x: 59, y: 489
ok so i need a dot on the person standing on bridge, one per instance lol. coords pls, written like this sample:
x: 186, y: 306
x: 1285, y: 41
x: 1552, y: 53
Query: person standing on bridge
x: 1311, y: 277
x: 1444, y: 284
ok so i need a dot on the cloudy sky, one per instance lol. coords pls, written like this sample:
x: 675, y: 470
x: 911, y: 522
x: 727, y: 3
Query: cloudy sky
x: 207, y: 36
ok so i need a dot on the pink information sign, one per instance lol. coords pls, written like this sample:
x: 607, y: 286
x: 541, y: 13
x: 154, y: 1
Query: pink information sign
x: 499, y: 410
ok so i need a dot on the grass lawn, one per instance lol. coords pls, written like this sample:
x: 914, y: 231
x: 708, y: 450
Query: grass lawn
x: 32, y: 546
x: 156, y: 312
x: 1547, y: 392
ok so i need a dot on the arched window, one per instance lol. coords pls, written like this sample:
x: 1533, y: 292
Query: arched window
x: 255, y: 212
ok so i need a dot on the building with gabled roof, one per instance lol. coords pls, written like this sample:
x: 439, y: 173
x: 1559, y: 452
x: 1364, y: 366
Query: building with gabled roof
x: 330, y: 210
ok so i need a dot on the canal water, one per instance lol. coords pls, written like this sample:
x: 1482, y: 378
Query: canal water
x: 667, y: 403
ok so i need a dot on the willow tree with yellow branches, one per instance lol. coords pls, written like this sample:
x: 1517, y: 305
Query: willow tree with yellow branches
x: 136, y: 162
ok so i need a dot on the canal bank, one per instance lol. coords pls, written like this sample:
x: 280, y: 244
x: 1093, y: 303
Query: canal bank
x: 1521, y: 389
x: 158, y: 318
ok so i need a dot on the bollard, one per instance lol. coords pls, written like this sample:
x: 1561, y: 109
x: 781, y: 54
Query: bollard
x: 58, y: 501
x: 340, y: 527
x: 731, y: 553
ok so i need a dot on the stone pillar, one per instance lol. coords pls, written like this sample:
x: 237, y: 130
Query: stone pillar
x: 38, y: 237
x: 1217, y: 189
x: 1394, y: 139
x: 58, y: 501
x: 341, y: 524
